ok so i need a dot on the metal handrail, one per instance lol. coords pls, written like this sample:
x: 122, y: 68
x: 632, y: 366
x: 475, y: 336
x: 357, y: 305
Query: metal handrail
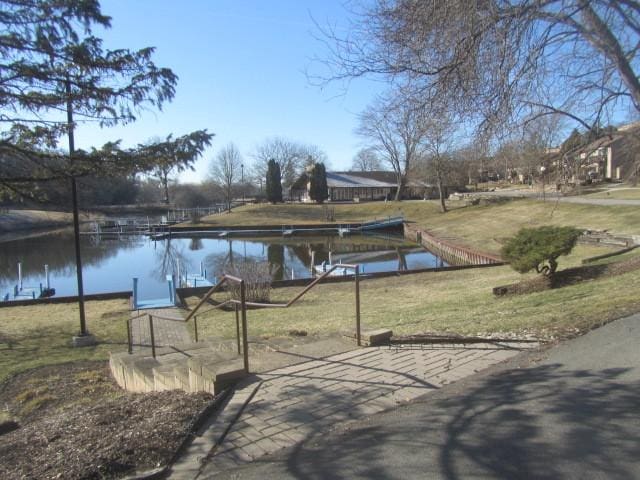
x: 215, y: 288
x: 241, y: 306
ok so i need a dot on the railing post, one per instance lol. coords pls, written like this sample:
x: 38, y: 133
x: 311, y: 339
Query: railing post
x: 245, y: 341
x: 357, y: 280
x: 129, y: 340
x: 195, y: 327
x: 153, y: 340
x: 238, y: 328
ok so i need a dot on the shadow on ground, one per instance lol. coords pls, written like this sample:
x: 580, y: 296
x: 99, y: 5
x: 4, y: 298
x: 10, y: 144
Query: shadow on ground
x: 544, y: 422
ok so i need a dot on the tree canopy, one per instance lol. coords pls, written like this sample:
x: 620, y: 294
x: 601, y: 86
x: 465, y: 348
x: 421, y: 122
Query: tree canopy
x: 56, y: 74
x: 498, y: 60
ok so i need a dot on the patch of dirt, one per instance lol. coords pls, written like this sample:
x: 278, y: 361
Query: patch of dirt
x: 76, y: 423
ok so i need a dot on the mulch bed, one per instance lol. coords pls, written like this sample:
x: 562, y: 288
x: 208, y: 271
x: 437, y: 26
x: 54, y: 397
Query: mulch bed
x: 570, y: 276
x: 76, y: 423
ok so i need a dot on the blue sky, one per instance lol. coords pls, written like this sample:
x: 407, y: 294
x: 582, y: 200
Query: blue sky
x: 241, y: 67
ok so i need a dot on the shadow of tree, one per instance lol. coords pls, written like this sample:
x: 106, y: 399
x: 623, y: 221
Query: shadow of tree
x: 568, y: 277
x: 544, y: 422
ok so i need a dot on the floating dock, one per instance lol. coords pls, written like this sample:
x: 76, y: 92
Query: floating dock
x: 20, y: 292
x: 285, y: 230
x: 323, y: 267
x: 194, y: 279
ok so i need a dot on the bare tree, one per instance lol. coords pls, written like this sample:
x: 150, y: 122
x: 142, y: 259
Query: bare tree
x: 499, y: 60
x: 225, y: 170
x: 366, y: 160
x: 292, y: 157
x: 395, y: 131
x: 438, y: 142
x: 313, y: 154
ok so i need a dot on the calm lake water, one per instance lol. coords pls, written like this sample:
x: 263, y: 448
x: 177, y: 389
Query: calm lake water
x: 110, y: 263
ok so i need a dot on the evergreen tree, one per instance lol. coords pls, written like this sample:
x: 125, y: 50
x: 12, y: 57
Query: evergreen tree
x: 318, y: 190
x: 274, y: 182
x: 56, y: 74
x: 539, y: 248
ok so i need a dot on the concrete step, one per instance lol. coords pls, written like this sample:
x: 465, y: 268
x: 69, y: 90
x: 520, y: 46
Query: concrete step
x: 192, y: 367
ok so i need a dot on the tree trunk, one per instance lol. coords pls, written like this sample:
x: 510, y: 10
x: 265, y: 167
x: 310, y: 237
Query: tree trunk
x: 400, y: 181
x: 443, y: 206
x: 165, y: 188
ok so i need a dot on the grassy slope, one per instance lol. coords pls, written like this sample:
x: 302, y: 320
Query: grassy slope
x: 480, y: 226
x: 41, y: 334
x: 460, y: 301
x: 619, y: 194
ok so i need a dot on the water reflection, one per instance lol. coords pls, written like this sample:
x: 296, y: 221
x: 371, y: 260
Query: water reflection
x: 170, y: 258
x: 110, y: 262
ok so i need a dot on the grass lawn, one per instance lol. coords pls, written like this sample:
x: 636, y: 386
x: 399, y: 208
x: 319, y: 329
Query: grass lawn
x: 41, y: 334
x: 622, y: 193
x: 460, y: 302
x: 479, y: 226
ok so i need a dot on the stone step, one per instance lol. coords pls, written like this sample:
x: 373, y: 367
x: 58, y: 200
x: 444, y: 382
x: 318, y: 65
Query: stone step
x: 212, y: 374
x: 203, y: 366
x: 370, y: 338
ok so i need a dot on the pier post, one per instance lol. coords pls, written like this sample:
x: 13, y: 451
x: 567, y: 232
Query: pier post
x: 135, y: 293
x: 46, y: 276
x: 19, y: 275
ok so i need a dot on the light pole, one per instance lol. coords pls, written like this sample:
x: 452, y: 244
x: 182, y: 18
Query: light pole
x: 542, y: 170
x: 84, y: 338
x: 242, y: 180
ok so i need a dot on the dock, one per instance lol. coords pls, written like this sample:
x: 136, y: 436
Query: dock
x: 282, y: 230
x: 20, y: 292
x: 194, y: 280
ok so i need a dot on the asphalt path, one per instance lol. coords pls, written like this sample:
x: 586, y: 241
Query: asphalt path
x: 571, y: 411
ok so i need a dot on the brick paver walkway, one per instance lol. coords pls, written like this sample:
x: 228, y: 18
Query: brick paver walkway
x: 166, y: 332
x: 285, y: 406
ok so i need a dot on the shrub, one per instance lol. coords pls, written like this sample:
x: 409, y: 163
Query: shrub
x: 539, y: 248
x: 257, y: 277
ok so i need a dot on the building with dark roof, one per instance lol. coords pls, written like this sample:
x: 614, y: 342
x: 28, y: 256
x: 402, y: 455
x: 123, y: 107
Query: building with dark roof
x: 362, y: 186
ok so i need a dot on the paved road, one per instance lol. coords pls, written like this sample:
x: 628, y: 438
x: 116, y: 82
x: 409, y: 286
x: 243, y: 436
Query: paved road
x: 571, y: 412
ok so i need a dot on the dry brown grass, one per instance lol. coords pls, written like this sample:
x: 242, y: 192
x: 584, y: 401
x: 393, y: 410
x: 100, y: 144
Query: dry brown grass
x: 460, y: 301
x: 480, y: 226
x: 41, y: 334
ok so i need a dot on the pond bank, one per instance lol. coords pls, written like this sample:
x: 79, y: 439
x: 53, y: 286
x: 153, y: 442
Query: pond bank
x: 12, y: 221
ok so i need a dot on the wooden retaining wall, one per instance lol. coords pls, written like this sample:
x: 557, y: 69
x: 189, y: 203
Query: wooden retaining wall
x: 450, y: 252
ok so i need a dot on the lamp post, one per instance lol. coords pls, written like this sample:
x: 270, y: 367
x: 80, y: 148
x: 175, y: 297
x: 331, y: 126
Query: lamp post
x: 542, y: 170
x: 84, y: 338
x: 242, y: 180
